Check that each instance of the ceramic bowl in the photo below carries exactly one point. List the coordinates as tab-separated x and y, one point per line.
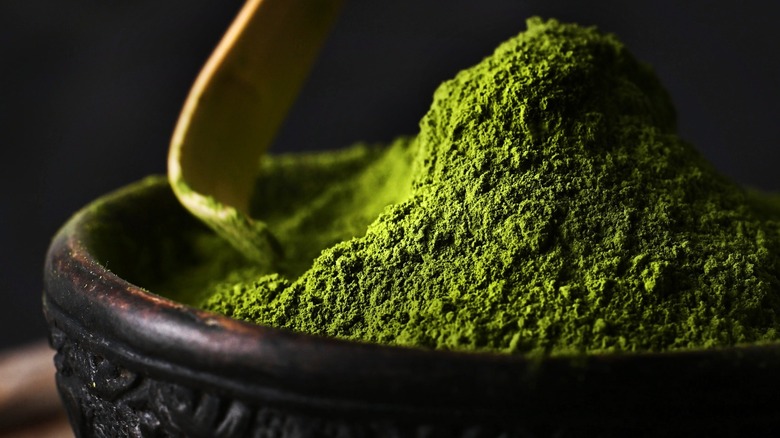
133	363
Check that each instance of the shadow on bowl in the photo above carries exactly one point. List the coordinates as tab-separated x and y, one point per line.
132	363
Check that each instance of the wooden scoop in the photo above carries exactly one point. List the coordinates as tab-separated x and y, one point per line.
235	108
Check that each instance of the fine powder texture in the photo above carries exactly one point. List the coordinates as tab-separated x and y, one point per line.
546	206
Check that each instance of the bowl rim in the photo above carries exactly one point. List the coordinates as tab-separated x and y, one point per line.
164	338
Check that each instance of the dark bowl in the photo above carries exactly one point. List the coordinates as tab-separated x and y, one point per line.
132	363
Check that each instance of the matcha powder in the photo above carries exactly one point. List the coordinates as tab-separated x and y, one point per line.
547	205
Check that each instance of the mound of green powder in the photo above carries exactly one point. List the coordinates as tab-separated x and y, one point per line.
547	205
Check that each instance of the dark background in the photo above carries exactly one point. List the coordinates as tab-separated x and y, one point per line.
90	92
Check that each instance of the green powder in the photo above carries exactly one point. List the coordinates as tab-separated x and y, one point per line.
547	205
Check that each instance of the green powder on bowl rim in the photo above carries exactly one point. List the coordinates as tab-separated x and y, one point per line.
546	206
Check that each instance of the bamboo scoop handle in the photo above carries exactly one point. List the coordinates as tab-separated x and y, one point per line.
235	108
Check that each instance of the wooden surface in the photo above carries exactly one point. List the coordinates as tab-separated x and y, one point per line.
29	403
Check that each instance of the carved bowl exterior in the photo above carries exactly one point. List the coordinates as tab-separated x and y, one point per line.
133	363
